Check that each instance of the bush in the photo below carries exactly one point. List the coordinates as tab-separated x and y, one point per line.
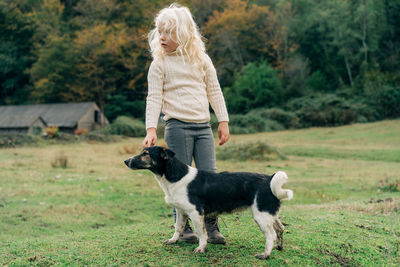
389	186
272	126
248	124
249	151
128	127
256	86
101	135
81	131
60	161
385	101
51	132
12	140
286	118
322	110
245	124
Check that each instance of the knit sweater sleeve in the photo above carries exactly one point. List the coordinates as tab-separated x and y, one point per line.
155	79
214	92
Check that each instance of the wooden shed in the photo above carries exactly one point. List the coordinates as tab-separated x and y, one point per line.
68	117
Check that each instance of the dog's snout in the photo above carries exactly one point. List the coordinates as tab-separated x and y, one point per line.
127	162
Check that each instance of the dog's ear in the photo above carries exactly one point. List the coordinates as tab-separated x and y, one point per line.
167	154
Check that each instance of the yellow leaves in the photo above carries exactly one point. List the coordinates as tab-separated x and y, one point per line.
42	83
243	29
239	16
104	39
104	51
48	17
239	34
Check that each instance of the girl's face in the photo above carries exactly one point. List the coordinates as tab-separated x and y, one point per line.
167	40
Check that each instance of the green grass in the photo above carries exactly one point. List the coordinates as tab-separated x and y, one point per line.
98	212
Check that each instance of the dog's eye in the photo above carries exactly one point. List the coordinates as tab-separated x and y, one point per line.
145	158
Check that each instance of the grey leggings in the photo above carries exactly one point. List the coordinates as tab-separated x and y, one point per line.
192	140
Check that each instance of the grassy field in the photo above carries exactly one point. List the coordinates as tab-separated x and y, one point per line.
345	210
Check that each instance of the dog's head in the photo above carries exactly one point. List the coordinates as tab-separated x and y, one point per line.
151	158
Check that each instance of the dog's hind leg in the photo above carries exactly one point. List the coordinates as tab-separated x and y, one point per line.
180	223
279	228
200	230
265	221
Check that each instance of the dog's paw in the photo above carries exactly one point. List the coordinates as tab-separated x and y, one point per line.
278	247
199	250
170	241
262	256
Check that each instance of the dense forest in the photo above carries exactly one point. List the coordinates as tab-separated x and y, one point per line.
298	62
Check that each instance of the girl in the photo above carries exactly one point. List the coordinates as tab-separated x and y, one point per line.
182	82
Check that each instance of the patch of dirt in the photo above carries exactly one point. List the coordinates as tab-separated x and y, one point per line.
343	258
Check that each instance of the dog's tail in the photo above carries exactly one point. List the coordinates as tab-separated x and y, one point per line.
278	179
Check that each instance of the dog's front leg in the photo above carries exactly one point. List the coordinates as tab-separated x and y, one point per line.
200	230
180	223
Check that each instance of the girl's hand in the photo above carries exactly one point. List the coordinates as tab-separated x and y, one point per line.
151	138
223	132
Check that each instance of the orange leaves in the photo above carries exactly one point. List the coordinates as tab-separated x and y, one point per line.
245	32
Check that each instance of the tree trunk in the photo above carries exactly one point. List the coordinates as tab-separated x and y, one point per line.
348	70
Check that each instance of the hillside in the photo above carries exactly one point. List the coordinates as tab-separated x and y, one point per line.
95	211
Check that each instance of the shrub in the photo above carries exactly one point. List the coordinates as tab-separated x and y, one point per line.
249	151
245	124
389	186
51	131
101	135
65	138
385	101
256	86
271	126
128	127
81	131
248	123
322	110
60	161
12	140
286	118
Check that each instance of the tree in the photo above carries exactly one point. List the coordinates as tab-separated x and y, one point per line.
89	13
240	34
48	20
337	36
105	57
54	73
16	33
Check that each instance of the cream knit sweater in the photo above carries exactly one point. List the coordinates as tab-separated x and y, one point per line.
181	92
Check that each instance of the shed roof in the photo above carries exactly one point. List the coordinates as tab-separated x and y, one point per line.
62	114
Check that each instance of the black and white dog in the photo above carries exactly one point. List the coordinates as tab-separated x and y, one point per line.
196	194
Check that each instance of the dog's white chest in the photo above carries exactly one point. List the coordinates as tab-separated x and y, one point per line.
176	193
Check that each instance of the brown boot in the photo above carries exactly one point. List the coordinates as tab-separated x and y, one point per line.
214	236
188	235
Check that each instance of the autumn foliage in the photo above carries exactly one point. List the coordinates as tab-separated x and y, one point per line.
89	50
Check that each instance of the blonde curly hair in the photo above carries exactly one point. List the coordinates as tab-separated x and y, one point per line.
190	42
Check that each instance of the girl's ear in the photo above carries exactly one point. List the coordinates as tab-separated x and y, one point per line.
167	153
